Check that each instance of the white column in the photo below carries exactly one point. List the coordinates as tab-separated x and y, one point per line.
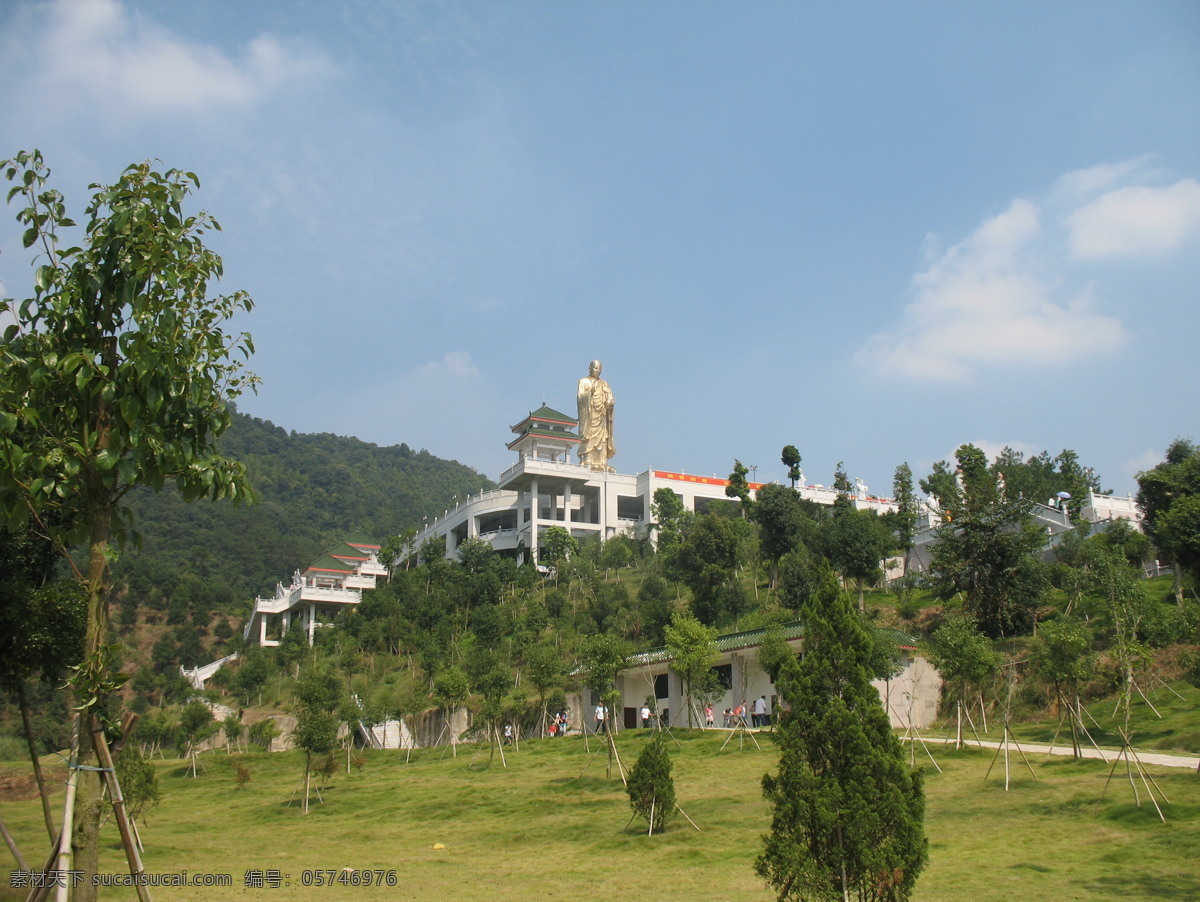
567	506
312	621
533	520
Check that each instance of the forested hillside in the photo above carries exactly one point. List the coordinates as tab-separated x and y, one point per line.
311	489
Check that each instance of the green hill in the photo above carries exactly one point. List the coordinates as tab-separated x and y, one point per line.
312	490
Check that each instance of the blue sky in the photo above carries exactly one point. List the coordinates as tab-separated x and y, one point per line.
872	230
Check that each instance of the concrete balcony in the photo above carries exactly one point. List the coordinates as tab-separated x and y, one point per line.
529	467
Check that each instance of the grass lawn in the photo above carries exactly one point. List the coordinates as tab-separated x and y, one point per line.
539	829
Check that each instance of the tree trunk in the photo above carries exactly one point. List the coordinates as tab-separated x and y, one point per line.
85	837
307	771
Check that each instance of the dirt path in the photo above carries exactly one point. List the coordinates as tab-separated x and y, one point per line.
1190	762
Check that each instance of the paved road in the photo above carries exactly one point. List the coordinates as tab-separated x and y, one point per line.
1191	762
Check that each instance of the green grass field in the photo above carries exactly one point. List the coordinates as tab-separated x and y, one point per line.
550	824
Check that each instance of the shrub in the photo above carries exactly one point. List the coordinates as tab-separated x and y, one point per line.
651	788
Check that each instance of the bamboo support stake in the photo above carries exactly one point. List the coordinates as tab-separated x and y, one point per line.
118	802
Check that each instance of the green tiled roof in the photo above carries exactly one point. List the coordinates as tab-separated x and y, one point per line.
358	538
754	638
547	433
330	564
348	550
549	413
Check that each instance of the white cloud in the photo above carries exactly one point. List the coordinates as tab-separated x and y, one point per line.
97	51
1136	221
1083	184
1147	460
988	301
453	365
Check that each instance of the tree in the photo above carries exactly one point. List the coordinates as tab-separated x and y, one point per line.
738	487
41	629
985	550
232	725
800	573
318	695
705	562
450	690
603	657
855	542
195	725
558	545
670	519
1041	478
1123	598
492	684
774	652
964	658
781	521
791	459
693	650
1059	654
475	555
651	789
545	672
116	373
1169	496
841	482
847	817
904	519
138	780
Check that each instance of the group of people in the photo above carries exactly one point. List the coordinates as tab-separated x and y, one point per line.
736	716
560	724
732	717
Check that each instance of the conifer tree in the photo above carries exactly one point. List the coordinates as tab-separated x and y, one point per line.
847	816
651	788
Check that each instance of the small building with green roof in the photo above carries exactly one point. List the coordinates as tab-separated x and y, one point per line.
910	697
316	594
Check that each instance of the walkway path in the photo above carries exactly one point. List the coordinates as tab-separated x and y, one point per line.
1191	762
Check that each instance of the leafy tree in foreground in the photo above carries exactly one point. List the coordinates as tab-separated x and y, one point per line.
651	788
115	373
847	816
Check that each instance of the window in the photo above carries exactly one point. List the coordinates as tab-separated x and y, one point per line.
724	674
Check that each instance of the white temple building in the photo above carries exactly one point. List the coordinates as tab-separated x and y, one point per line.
316	594
544	488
